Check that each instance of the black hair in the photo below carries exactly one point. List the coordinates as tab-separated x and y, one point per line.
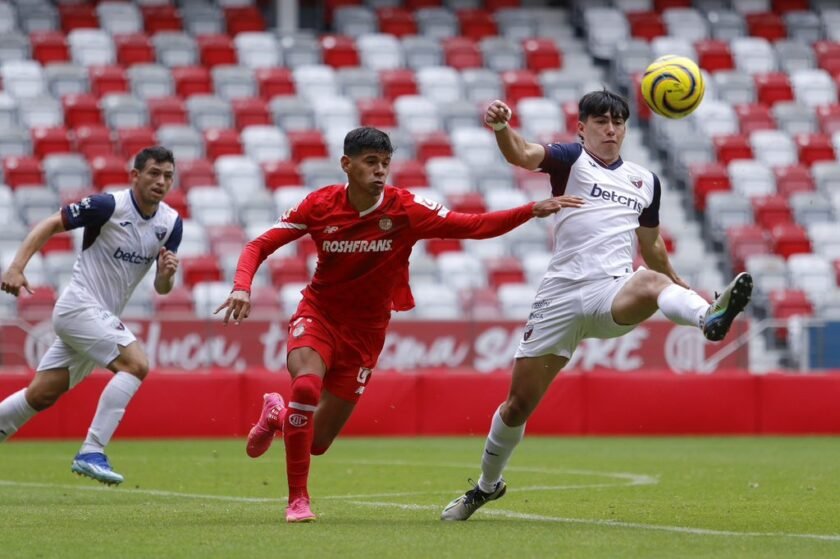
366	138
158	154
596	103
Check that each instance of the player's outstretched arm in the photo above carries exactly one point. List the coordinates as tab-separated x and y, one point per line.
516	150
13	279
551	206
655	254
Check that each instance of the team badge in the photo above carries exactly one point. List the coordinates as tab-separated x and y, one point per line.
298	331
528	331
298	420
385	223
160	232
636	181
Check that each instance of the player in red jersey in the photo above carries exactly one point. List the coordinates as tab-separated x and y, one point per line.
364	231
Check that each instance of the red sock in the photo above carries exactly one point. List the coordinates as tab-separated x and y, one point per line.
299	430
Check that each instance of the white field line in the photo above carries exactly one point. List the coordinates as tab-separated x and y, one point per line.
609	523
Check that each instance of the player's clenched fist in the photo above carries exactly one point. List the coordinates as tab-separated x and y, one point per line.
167	263
497	113
554	205
13	280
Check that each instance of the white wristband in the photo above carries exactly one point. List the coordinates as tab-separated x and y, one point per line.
498	125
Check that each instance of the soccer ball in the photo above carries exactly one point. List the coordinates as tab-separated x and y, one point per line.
672	86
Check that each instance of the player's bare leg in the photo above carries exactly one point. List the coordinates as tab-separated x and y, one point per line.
330	417
531	378
307	370
130	367
44	390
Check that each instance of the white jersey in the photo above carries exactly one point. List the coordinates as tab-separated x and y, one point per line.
119	246
598	240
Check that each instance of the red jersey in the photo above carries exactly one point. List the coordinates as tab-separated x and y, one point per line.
362	271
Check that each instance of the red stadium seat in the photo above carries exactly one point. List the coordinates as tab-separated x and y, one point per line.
176	303
829	118
274	81
814	147
462	53
541	54
132	140
480	303
476	24
470	203
167	110
243	18
22	171
646	25
331	5
50	140
792	179
417	4
661	5
192	80
828	55
786	303
734	146
92	141
134	48
495	5
396	83
108	79
783	6
81	109
77	16
38	306
178	200
214	50
292	269
520	84
773	87
408	174
265	303
742	242
222	142
195	172
161	18
397	21
108	170
49	46
770	211
63	242
571	114
281	173
714	55
755	117
378	113
339	51
195	269
767	25
790	238
434	144
435	247
306	143
226	239
250	111
505	270
707	178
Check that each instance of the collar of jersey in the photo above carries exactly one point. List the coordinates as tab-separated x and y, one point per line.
136	207
612	166
373	207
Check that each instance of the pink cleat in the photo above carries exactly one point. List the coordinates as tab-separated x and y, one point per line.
271	421
299	511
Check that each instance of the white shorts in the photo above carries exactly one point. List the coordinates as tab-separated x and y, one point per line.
86	337
565	312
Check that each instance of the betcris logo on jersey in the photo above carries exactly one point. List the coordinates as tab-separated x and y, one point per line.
132	257
616	197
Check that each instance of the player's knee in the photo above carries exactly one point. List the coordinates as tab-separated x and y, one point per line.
516	411
137	367
654	283
42	397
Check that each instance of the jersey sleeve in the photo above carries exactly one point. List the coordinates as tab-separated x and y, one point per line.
292	225
650	215
174	240
93	211
560	157
431	220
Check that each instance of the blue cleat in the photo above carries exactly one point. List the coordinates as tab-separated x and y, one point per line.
95	466
726	306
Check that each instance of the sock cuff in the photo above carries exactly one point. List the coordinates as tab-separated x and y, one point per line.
501	431
669	292
126	382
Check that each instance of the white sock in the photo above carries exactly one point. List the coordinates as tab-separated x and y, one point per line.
497	450
14	412
110	411
682	306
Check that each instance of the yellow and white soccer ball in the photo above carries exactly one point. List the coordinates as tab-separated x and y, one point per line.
673	86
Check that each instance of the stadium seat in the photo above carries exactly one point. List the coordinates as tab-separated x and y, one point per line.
174	48
14	46
207	296
773	87
754	117
714	55
92	141
119	17
279	174
461	270
449	175
795	118
49	47
437	22
50	140
208	111
233	82
828	55
416	114
242	19
150	80
91	47
469	202
22	171
67	172
288	270
516	299
250	111
707	178
38	305
108	170
505	270
215	50
767	25
396	83
829	118
827	176
192	80
397	21
813	148
787	303
185	142
814	87
211	206
790	239
751	178
440	84
161	18
257	50
726	209
14	140
195	172
300	50
134	48
178	303
501	54
108	79
520	84
771	210
265	143
681	20
166	110
481	85
195	269
379	51
774	148
744	242
408	174
124	111
459	114
66	79
420	51
811	207
219	142
358	83
274	81
462	53
769	272
378	113
305	144
292	113
646	25
793	178
433	144
77	16
824	239
731	147
339	51
716	118
794	55
541	54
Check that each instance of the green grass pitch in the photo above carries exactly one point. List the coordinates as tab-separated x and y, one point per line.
568	497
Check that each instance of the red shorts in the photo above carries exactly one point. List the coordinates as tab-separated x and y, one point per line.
349	353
